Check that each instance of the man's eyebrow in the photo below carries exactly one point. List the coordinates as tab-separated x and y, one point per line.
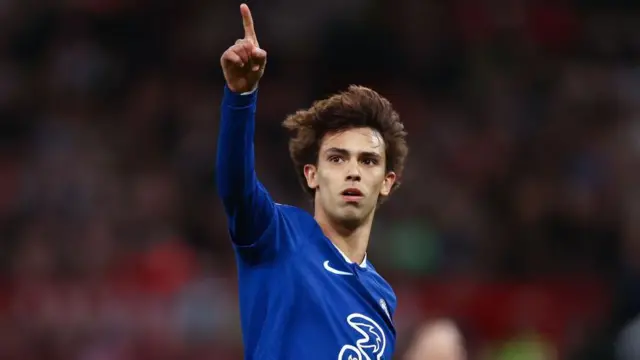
345	152
370	154
335	150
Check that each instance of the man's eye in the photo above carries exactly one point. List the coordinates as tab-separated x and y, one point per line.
370	161
335	159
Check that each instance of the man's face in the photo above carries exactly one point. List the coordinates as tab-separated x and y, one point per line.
350	174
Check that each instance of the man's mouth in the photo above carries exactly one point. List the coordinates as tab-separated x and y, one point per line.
352	195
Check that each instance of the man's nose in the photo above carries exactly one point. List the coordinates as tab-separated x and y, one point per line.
353	172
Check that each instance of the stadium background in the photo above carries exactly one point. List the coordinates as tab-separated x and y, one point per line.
518	216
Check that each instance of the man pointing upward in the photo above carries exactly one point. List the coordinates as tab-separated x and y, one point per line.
307	290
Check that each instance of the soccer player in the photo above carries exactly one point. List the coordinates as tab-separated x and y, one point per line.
307	290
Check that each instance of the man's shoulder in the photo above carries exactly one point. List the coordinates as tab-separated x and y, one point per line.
296	219
287	207
294	213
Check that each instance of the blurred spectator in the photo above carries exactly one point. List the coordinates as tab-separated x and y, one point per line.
437	340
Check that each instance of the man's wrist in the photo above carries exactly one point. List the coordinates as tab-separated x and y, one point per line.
240	99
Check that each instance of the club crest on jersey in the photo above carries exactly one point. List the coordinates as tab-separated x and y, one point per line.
370	345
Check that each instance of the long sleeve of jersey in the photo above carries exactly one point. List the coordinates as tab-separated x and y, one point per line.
248	206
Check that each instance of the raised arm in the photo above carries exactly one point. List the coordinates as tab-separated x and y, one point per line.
249	208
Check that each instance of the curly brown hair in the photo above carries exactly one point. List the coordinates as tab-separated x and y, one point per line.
357	107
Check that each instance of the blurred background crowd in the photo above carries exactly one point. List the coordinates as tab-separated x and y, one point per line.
518	217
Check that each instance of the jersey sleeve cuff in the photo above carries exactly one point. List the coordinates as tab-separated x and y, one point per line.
239	100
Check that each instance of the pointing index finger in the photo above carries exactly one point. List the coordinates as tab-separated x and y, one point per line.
247	22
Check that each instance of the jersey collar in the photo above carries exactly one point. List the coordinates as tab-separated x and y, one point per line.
363	264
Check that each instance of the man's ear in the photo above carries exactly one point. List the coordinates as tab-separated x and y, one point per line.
311	174
387	184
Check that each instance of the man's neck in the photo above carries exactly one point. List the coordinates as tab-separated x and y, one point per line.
352	242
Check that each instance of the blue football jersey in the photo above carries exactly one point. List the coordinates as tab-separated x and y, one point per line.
300	296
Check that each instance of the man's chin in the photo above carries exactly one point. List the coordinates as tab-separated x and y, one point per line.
351	216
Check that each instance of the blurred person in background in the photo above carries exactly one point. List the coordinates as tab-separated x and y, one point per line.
437	340
628	341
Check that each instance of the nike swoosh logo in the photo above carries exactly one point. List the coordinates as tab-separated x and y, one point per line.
332	270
